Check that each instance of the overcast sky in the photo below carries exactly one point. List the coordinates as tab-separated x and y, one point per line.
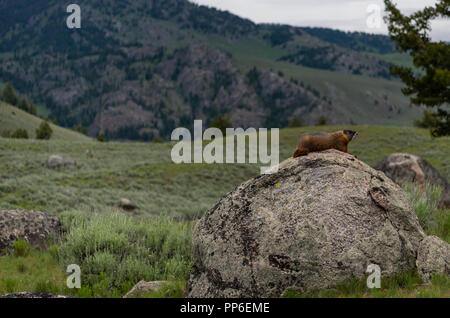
348	15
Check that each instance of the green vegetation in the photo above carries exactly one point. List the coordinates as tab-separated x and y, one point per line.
411	34
20	133
44	131
10	96
429	120
153	246
222	123
126	250
406	285
101	138
145	174
322	121
295	122
13	118
434	220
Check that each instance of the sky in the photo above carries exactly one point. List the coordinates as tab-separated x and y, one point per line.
347	15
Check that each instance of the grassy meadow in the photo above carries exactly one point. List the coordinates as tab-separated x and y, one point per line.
117	249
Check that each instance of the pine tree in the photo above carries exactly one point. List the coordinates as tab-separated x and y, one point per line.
432	88
9	95
44	131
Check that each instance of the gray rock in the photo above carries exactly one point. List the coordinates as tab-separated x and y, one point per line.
143	287
32	226
127	204
56	161
34	295
320	220
433	257
405	167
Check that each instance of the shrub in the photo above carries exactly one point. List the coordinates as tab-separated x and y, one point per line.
44	131
126	249
101	137
295	122
21	248
20	134
322	121
158	140
222	122
6	133
428	120
9	94
425	201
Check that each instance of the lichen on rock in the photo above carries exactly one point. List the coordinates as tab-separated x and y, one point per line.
320	220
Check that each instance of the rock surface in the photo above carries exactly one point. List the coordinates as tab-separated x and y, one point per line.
433	257
127	204
33	226
34	295
143	287
404	167
56	161
321	219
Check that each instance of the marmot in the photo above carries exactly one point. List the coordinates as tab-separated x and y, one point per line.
322	141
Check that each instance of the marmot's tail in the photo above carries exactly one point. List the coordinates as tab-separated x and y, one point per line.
300	152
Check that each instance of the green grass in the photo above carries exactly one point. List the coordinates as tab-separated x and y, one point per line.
114	252
35	271
13	118
144	173
406	285
401	59
99	234
425	201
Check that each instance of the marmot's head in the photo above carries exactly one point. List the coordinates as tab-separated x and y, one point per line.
351	134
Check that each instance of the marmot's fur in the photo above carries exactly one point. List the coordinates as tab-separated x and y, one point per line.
322	141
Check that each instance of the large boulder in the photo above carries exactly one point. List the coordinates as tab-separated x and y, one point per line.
404	167
57	161
318	221
32	226
433	257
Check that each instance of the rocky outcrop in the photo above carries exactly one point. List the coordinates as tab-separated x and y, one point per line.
433	257
144	287
320	220
32	226
56	161
404	167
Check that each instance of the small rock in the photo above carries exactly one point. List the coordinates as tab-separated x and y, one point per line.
34	295
56	161
143	287
66	192
127	205
33	226
433	256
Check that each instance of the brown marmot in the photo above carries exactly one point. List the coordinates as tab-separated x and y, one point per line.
322	141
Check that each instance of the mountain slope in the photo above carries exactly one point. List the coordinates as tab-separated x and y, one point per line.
12	118
138	69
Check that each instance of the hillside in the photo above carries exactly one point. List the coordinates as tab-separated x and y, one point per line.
145	174
12	118
138	69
